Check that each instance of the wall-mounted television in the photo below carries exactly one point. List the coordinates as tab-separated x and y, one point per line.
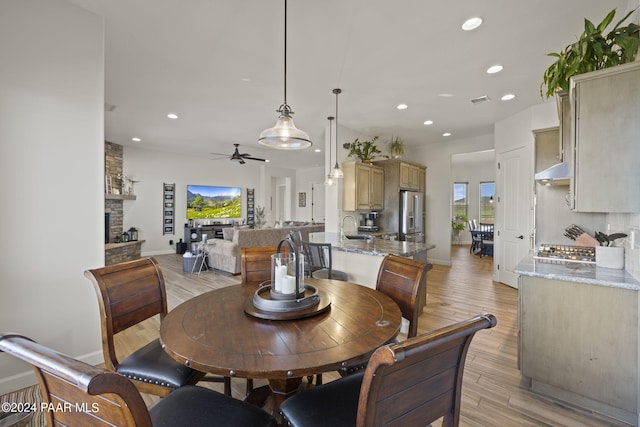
206	201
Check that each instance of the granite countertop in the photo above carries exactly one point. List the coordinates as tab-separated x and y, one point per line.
577	272
376	246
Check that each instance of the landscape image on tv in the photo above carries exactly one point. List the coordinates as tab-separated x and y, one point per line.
205	202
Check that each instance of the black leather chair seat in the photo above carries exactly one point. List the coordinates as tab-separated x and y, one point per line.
331	404
194	406
153	365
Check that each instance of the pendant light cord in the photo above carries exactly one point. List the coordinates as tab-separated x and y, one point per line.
285	52
337	91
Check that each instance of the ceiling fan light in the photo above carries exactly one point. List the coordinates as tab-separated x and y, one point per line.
285	135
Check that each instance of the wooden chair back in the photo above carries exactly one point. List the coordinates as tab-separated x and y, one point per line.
128	293
255	263
87	395
419	380
403	280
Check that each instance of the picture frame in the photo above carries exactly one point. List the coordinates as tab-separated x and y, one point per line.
302	200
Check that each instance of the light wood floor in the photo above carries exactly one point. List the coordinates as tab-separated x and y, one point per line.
494	393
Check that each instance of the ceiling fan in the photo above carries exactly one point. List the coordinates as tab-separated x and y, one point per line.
239	157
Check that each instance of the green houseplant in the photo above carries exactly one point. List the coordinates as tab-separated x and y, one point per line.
594	50
396	147
364	150
459	223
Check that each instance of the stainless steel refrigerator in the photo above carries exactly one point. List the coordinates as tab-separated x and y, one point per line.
411	216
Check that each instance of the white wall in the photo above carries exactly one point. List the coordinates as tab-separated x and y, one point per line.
153	168
51	167
437	158
304	180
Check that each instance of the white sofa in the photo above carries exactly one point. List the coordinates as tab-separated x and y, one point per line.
224	254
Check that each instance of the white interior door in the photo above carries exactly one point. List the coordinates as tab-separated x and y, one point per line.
515	210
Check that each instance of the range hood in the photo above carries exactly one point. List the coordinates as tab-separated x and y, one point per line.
557	174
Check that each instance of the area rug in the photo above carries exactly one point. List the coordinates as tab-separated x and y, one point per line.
29	396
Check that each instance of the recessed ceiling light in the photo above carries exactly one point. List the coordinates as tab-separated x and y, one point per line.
445	95
402	106
428	122
172	116
317	150
136	139
446	134
472	23
494	69
246	79
508	97
267	160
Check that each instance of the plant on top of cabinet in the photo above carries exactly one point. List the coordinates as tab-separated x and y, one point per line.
594	50
366	150
396	148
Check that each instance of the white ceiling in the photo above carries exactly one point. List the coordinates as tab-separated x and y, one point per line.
218	64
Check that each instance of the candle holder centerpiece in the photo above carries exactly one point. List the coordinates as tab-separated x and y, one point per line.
287	296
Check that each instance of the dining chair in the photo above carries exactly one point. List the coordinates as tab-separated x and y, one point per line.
411	383
128	294
403	280
93	396
485	235
255	264
321	261
475	237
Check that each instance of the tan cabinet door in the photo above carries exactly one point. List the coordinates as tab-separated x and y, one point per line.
376	200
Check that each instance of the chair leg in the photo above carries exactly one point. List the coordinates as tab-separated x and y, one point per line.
249	386
227	386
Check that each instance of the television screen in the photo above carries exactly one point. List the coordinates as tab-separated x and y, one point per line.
205	201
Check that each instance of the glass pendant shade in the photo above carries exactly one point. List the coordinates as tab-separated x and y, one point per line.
285	135
336	173
329	181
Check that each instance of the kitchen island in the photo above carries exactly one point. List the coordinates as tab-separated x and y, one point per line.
361	258
578	335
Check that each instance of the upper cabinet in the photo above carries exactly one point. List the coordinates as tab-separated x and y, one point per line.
409	176
605	124
363	187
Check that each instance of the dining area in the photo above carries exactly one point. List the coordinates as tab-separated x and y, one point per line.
481	238
222	334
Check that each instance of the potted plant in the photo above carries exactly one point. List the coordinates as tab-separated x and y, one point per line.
260	219
594	50
366	150
396	148
458	224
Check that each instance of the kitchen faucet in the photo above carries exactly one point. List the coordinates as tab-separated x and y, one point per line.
355	223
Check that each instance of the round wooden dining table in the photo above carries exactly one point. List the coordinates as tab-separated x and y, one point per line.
213	333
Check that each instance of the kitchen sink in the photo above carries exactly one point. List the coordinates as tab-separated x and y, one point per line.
359	237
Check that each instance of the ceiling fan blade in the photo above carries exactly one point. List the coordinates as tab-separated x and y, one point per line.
221	158
220	154
254	158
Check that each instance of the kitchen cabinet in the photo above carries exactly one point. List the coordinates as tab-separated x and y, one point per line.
605	107
363	187
578	343
409	176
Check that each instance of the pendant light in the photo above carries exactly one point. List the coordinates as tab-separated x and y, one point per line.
330	180
284	135
336	173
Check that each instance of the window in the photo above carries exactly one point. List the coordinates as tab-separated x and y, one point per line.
460	199
487	207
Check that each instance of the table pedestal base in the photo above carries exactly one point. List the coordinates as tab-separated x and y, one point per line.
271	396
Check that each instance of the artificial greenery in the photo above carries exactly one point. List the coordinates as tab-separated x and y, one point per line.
363	150
459	223
260	219
594	50
396	147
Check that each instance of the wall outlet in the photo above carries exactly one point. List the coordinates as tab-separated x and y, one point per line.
171	242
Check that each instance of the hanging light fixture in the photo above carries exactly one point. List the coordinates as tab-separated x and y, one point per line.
336	173
330	180
285	135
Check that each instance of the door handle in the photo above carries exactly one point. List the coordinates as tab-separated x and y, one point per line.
521	237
